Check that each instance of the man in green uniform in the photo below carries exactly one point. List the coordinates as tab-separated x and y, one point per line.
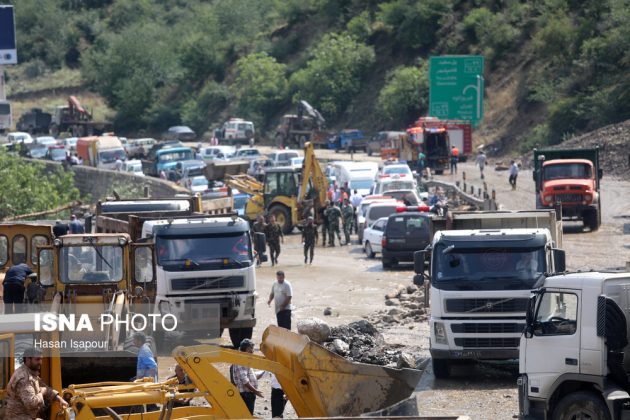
347	211
273	233
309	239
333	214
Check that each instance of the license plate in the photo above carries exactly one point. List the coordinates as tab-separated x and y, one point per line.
466	354
397	241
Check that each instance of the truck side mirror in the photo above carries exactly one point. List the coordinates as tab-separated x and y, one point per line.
534	175
559	260
419	257
529	317
600	173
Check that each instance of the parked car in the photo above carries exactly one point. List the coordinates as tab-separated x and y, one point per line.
70	143
372	237
296	162
133	166
19	137
282	157
365	205
246	153
46	140
56	153
196	184
392	183
37	151
217	152
405	233
180	132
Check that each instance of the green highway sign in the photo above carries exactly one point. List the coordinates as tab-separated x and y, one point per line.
456	87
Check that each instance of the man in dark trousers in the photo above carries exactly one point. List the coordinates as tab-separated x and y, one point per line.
324	219
13	287
309	239
273	233
282	294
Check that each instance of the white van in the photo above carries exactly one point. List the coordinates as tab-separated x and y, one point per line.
133	166
358	175
238	130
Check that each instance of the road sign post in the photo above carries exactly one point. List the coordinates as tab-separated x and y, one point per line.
456	88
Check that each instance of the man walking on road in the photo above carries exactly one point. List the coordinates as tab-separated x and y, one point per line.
348	220
333	214
282	294
273	232
28	397
324	219
513	174
259	226
481	161
356	199
309	239
454	159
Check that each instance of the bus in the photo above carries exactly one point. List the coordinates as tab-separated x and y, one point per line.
5	115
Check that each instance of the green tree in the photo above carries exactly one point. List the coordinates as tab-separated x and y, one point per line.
30	187
334	73
490	32
405	95
261	85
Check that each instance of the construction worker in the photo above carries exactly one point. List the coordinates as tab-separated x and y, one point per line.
333	214
273	233
309	239
454	159
347	212
28	397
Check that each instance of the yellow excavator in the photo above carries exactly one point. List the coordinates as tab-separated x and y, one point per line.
317	382
290	195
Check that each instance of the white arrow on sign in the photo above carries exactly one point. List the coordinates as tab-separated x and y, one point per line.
479	93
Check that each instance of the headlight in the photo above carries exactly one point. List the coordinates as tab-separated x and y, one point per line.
165	307
440	333
548	198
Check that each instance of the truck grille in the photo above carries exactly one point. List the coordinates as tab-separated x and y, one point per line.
480	328
496	342
568	198
208	283
486	305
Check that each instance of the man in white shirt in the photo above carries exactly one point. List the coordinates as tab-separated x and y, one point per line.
356	199
513	174
281	294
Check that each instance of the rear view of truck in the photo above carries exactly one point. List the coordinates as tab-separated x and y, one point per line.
569	179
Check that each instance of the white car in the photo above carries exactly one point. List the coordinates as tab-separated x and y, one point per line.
133	166
197	184
296	162
372	237
70	143
365	204
19	137
217	152
46	140
402	170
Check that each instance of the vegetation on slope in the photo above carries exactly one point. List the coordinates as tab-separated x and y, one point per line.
160	63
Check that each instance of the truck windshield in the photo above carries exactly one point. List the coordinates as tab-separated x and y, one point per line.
110	156
91	264
361	184
567	170
487	268
204	252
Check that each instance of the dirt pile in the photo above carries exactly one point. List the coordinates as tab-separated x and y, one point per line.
613	141
406	305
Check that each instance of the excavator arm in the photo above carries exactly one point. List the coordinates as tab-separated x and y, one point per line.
314	183
244	183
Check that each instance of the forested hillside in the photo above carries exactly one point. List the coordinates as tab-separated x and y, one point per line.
553	67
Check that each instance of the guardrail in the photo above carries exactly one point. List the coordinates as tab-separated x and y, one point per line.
478	196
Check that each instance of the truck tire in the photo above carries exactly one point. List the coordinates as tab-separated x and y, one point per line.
581	405
591	220
239	334
441	368
283	217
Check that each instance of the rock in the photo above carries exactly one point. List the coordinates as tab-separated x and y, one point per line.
404	298
388	319
405	360
314	328
395	311
340	346
328	311
401	289
392	302
412	305
364	327
412	288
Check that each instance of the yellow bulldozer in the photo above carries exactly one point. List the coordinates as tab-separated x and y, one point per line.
290	195
317	382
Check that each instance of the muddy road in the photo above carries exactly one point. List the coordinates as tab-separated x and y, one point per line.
343	279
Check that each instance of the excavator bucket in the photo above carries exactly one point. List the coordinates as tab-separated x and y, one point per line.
338	387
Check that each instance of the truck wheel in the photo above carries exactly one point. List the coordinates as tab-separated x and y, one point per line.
581	405
283	218
368	250
239	334
441	368
591	220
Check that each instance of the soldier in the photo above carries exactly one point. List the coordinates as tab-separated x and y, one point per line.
273	232
347	212
333	214
259	226
309	239
324	219
28	397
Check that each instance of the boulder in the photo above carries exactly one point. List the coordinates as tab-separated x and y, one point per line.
328	311
405	360
314	328
340	346
392	302
412	288
395	311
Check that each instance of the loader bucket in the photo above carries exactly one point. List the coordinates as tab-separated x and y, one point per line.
339	387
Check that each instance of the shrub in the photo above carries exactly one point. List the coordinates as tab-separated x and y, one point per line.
405	95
